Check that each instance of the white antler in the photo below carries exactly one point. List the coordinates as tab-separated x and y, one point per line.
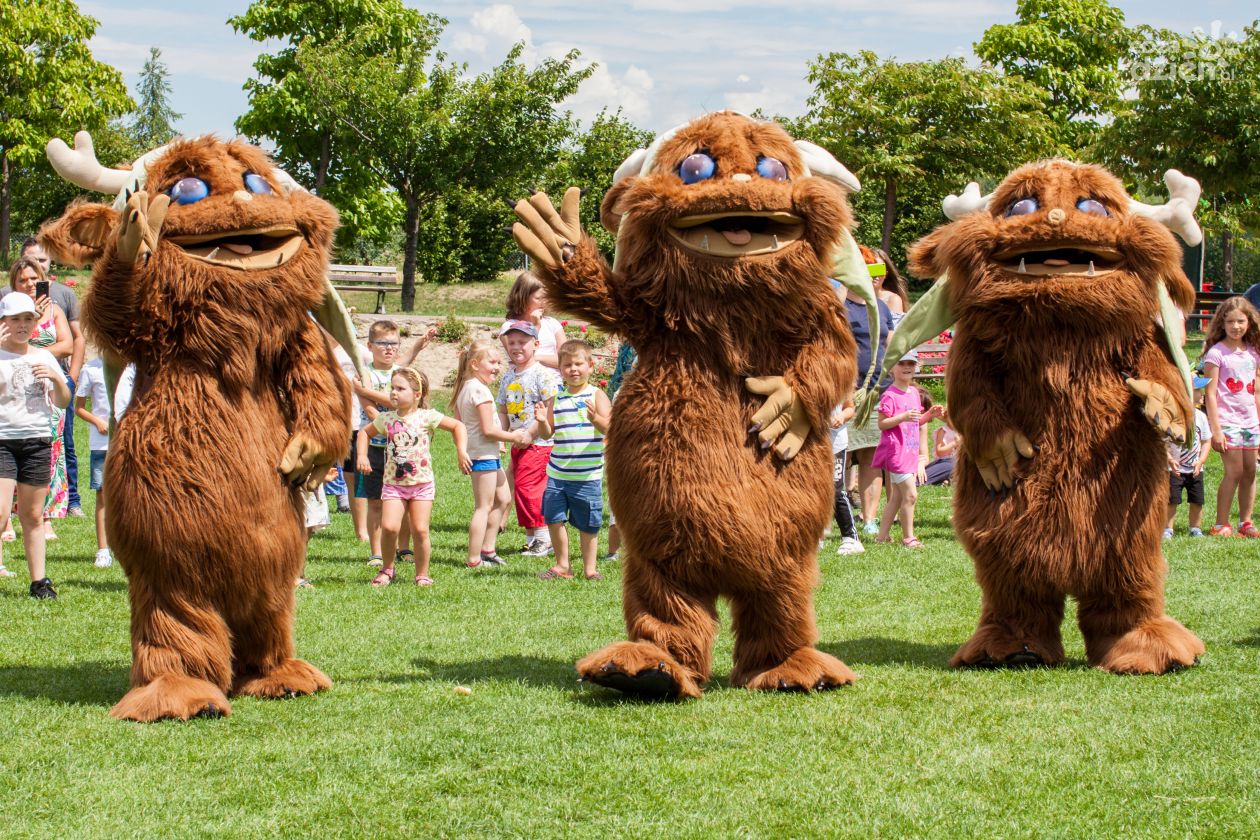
1177	214
957	206
80	167
823	163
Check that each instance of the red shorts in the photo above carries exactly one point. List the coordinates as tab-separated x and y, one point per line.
529	480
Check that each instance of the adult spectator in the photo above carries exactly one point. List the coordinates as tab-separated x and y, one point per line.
1253	295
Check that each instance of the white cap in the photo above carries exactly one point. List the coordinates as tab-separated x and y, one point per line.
16	303
912	356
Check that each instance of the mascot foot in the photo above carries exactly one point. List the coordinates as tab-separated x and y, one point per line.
808	669
993	647
172	696
1157	646
289	679
640	669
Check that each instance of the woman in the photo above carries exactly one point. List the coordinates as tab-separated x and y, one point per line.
52	332
889	285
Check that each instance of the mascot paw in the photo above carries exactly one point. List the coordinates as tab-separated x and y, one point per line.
993	646
782	421
640	669
141	226
1159	407
808	669
547	236
997	462
1157	646
172	696
304	464
290	679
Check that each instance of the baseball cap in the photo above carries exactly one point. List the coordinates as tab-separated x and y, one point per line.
522	326
912	356
16	303
1201	382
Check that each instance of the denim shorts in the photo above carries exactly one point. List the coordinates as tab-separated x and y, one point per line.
581	503
98	468
485	465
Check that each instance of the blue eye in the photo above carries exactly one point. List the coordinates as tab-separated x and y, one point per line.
256	183
697	167
1023	207
772	169
189	191
1092	206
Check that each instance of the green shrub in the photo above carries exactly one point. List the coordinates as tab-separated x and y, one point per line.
453	329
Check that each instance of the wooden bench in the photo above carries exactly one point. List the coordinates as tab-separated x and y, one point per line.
1205	304
932	366
381	279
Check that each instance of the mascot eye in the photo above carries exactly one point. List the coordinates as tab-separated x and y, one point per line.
1023	207
697	167
189	190
256	183
772	169
1092	206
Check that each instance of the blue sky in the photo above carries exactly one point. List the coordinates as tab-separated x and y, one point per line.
661	65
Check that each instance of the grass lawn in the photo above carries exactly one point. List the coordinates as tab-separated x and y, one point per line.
912	749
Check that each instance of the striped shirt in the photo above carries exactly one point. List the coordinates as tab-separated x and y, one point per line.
578	454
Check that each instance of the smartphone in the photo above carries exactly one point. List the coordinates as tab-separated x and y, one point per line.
41	289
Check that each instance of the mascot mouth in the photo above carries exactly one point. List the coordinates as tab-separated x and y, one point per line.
242	249
744	234
1069	260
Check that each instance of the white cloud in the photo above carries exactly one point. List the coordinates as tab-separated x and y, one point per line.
498	27
231	64
742	78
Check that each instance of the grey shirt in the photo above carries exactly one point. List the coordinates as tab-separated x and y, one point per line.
63	296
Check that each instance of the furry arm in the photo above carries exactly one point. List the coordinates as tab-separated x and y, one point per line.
1161	390
988	434
317	407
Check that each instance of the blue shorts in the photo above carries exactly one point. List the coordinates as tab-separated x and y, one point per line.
485	464
579	502
98	468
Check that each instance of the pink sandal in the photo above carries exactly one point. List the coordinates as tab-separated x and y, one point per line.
912	542
384	578
424	580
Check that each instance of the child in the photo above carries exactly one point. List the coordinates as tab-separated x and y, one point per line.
316	516
578	417
1185	468
383	343
91	385
1230	366
945	443
33	390
522	388
901	418
527	301
407	484
849	542
474	407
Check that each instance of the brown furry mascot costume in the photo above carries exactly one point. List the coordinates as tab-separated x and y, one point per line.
725	241
1063	386
203	278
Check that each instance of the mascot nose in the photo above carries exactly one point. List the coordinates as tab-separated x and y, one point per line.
741	176
1056	216
242	195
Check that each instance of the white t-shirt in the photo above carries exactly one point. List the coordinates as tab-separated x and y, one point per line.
122	393
473	394
348	368
91	384
378	380
547	330
26	406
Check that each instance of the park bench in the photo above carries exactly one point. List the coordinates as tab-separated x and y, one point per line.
933	357
1205	304
381	279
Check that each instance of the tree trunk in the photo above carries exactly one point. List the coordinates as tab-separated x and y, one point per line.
325	157
890	213
1227	261
5	194
411	231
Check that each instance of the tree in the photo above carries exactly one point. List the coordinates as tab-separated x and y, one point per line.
1070	48
1196	108
440	138
920	130
153	123
49	85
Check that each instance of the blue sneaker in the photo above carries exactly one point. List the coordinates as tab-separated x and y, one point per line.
1196	532
871	529
1168	533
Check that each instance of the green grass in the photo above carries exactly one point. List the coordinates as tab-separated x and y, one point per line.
912	749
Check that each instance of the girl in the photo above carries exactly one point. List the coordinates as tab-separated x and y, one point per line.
474	407
407	485
1230	365
945	442
901	419
889	285
528	302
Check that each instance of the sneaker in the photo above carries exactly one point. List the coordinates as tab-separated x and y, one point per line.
611	558
43	590
850	545
492	559
538	548
104	558
1196	532
1168	533
76	511
871	528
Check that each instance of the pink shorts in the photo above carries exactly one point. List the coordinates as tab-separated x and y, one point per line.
410	492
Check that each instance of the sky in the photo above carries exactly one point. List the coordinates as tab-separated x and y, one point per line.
661	61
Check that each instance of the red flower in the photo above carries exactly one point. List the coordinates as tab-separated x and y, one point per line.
603	383
564	323
582	328
71	282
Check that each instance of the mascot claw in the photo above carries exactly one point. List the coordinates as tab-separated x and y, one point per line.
142	226
1159	407
303	463
997	463
782	418
548	237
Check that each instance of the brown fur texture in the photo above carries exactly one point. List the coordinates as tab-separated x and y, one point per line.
230	370
703	510
1047	356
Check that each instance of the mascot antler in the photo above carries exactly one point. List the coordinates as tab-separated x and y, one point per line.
80	167
1177	214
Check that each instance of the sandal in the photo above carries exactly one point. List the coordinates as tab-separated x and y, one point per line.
9	535
912	542
305	583
1222	530
555	574
596	576
5	573
472	564
403	552
376	561
384	578
1246	529
424	580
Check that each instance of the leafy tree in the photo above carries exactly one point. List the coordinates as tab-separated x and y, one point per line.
1196	108
1070	48
915	132
49	85
153	123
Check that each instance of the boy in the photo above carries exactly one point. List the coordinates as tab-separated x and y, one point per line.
1185	468
525	386
383	343
92	386
578	417
32	388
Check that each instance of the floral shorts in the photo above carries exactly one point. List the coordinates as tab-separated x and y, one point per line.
1239	437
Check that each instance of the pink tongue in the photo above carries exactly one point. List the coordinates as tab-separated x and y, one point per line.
1057	262
239	247
737	237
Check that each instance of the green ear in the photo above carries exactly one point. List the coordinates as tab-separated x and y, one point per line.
333	316
1169	314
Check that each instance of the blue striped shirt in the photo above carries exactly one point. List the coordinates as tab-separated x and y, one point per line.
578	454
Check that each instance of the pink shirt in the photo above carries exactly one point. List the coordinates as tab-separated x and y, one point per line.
898	449
1236	385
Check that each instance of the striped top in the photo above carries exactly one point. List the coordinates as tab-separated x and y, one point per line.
578	454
